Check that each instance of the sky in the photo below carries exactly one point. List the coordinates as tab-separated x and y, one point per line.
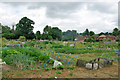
95	16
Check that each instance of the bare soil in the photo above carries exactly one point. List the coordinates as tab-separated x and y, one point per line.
78	72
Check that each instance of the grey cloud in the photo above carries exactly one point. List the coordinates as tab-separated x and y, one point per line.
58	10
102	7
64	9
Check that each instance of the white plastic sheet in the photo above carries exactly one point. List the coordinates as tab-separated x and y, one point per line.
89	66
56	63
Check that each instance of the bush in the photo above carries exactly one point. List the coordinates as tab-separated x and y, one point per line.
33	52
22	38
71	67
58	72
20	60
47	69
46	42
51	62
57	46
60	67
54	68
117	40
71	74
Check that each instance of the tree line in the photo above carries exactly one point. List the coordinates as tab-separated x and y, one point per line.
25	28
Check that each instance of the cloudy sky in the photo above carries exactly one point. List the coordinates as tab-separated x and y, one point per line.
96	16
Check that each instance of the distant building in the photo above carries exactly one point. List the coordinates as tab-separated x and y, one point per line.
80	38
118	37
106	37
110	37
102	37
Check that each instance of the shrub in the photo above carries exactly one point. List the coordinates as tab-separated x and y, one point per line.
51	62
71	67
57	46
58	72
71	74
20	60
22	38
60	67
47	69
46	42
54	68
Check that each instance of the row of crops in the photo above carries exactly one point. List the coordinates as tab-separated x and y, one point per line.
31	56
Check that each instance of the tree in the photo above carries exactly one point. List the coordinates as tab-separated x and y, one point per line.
38	35
7	32
22	38
25	28
69	35
47	32
86	32
106	33
6	29
115	32
101	33
56	33
91	33
51	33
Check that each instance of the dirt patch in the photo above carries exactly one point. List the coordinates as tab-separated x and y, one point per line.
6	67
78	72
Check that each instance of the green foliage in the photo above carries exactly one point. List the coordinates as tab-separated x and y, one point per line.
47	69
46	42
20	60
71	74
8	35
55	68
56	33
6	29
79	50
90	39
60	67
117	40
38	35
116	32
51	62
57	46
33	52
69	35
25	28
51	33
58	72
6	52
86	32
22	38
71	67
91	33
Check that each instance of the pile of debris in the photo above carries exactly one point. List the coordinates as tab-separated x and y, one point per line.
95	63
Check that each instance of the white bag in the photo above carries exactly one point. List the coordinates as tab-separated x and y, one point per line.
56	63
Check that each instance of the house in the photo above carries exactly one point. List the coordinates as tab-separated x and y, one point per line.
118	37
110	37
95	36
80	38
102	37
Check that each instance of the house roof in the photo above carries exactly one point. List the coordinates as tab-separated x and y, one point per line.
102	36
